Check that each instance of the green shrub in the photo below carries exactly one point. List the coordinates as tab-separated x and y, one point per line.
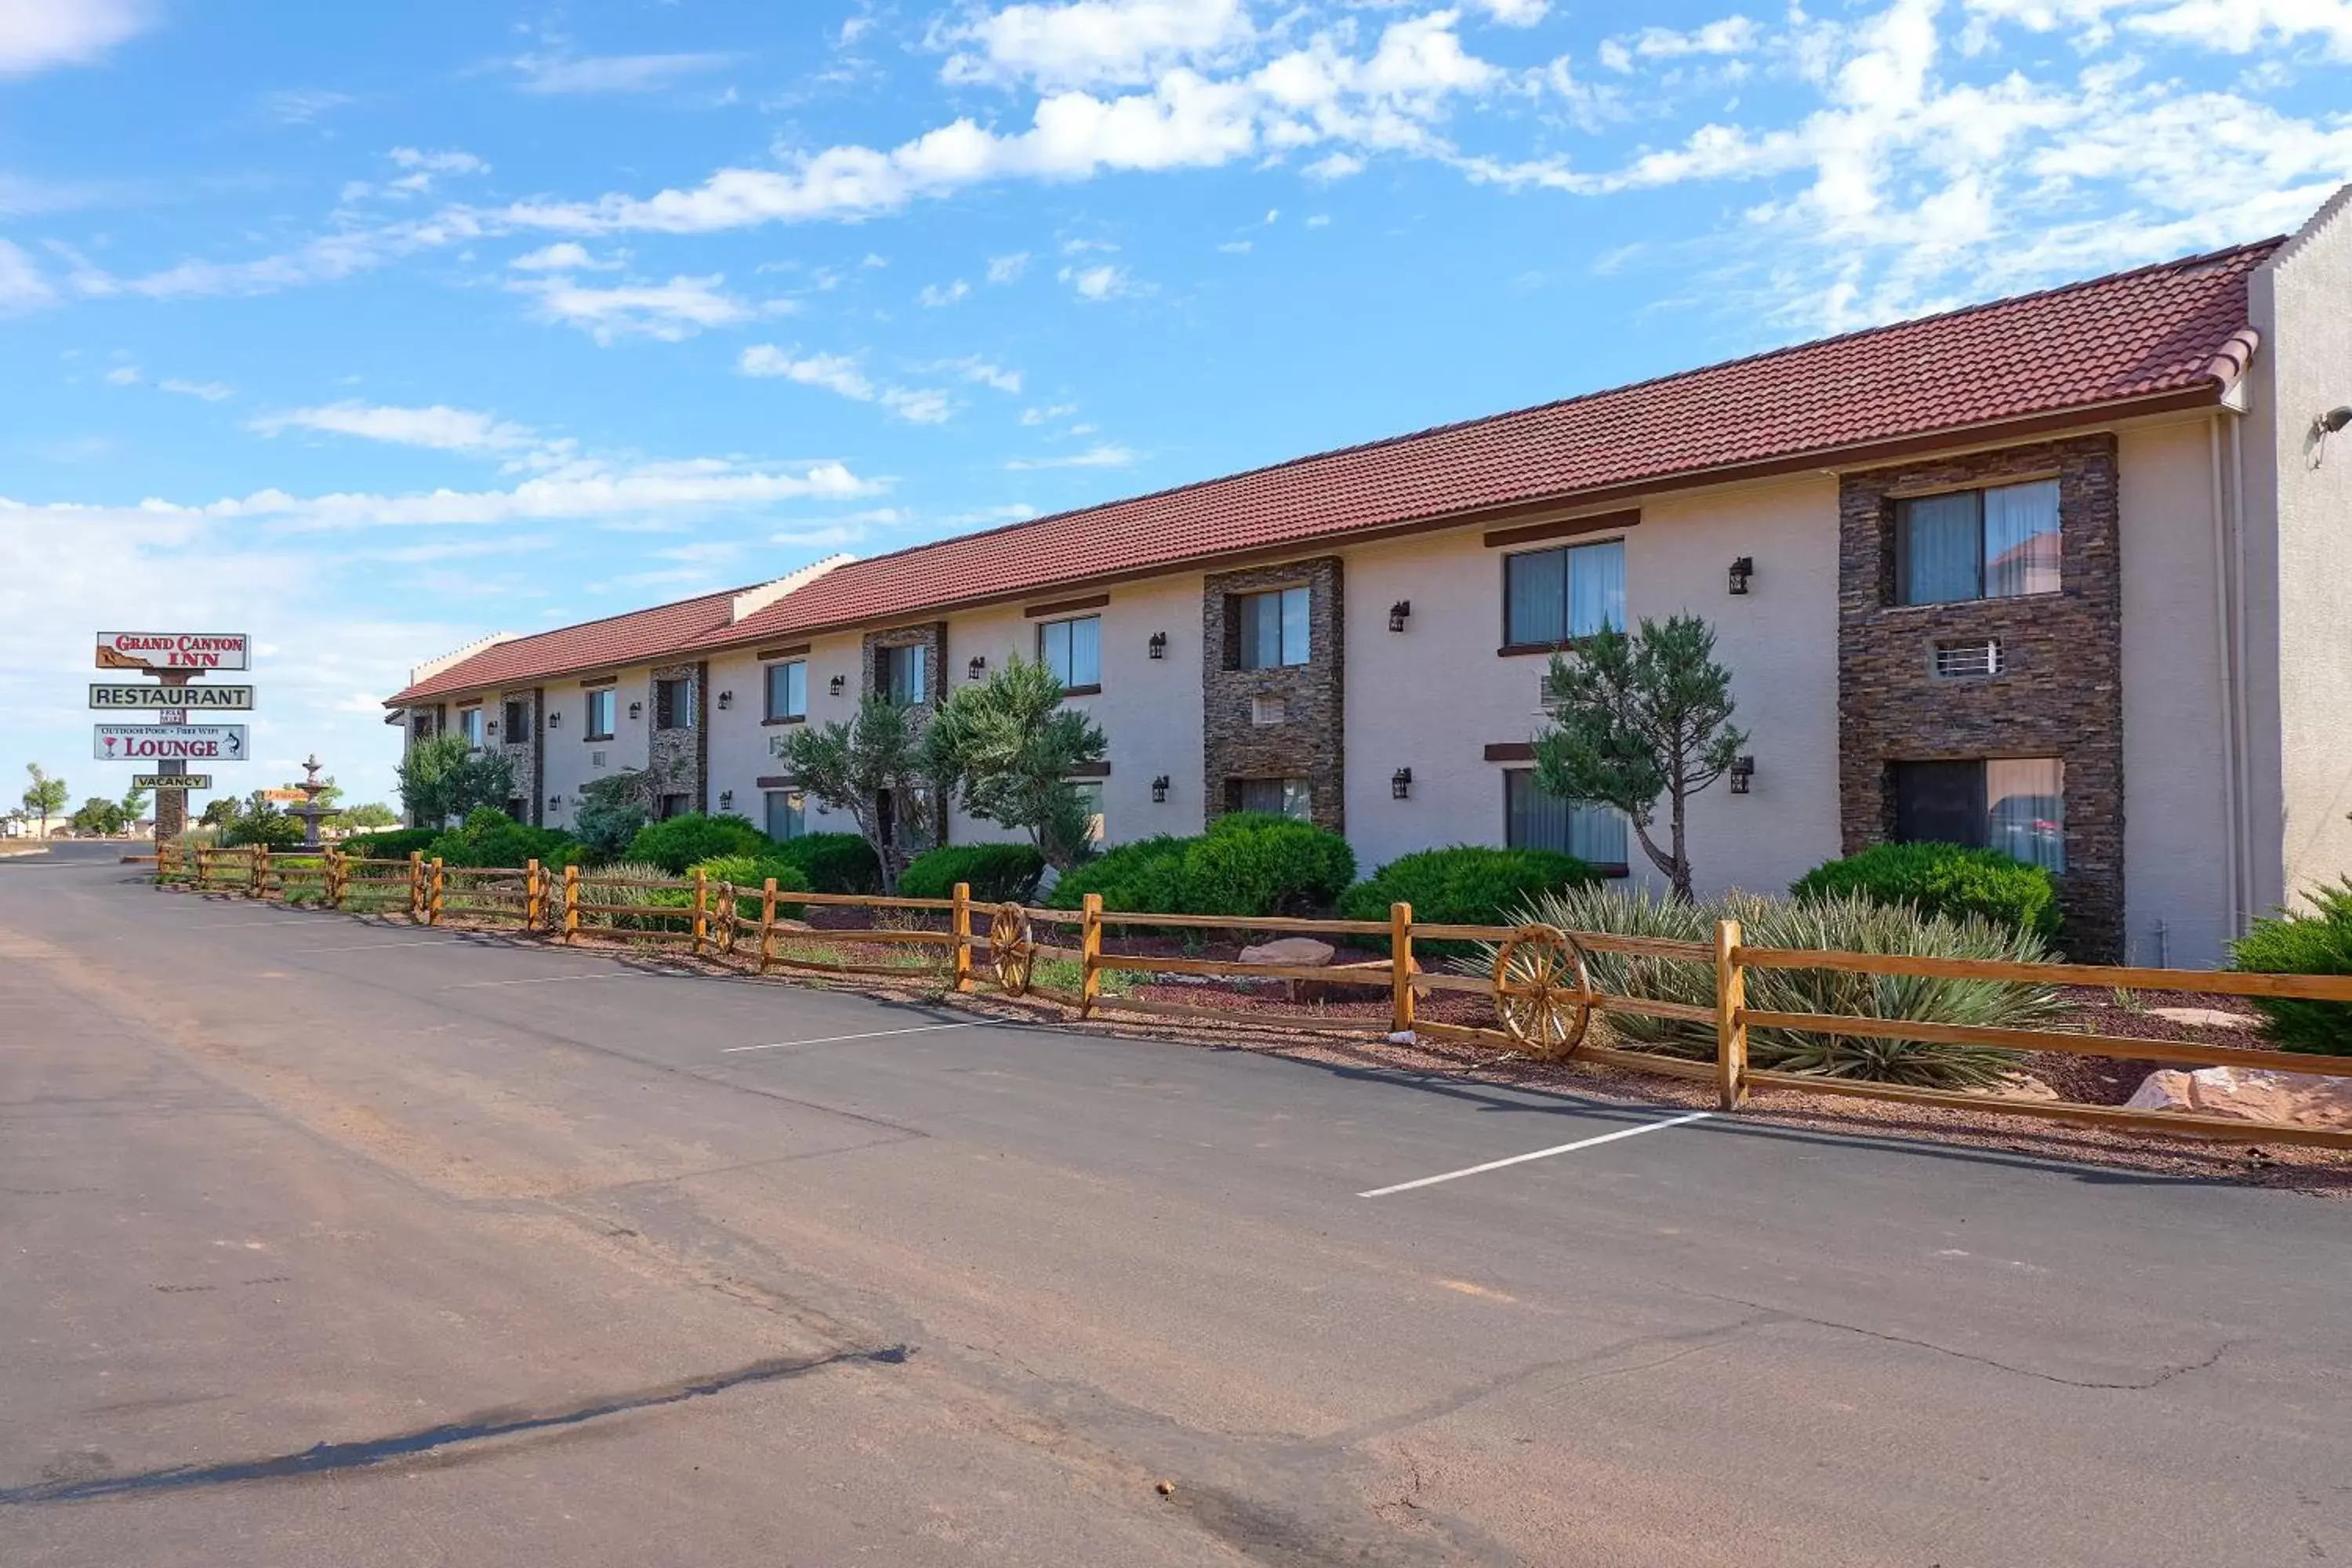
1465	885
262	823
397	845
1943	879
999	873
489	837
680	841
833	862
594	889
747	871
2320	942
1854	923
1250	863
1144	877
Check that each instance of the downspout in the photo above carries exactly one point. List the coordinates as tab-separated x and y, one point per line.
2243	780
2224	620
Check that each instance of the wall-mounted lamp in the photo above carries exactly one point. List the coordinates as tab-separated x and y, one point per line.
726	800
1159	790
492	726
725	701
1401	785
554	800
838	684
977	668
637	710
2335	418
1159	645
1398	613
1743	770
1741	570
554	720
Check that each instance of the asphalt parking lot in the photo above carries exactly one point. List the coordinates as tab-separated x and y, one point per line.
338	1241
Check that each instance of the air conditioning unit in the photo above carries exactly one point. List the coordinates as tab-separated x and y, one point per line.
778	744
1960	660
596	759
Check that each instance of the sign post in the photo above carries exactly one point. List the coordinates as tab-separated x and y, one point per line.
173	658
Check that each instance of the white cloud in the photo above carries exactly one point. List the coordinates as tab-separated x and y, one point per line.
1334	166
1730	36
933	296
451	162
982	373
615	73
669	311
842	375
1512	13
441	427
210	391
1012	512
1008	268
1103	457
22	287
1098	42
1104	282
1042	416
1237	248
563	256
124	375
36	34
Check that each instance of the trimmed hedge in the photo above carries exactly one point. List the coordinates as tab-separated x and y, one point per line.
752	872
1248	864
397	845
2320	942
1468	884
833	862
999	873
1945	879
490	838
681	841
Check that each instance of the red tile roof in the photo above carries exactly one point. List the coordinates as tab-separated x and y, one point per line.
632	638
2131	337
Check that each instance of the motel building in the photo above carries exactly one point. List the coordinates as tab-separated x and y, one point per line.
2060	574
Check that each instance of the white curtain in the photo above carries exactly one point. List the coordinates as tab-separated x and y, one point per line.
1596	587
2026	809
1943	544
2020	540
1535	820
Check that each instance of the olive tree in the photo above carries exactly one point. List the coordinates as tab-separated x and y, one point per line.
1009	747
871	767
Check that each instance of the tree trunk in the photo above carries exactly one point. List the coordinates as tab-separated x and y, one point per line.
1680	872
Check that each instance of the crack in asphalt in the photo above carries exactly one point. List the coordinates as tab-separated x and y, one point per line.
322	1458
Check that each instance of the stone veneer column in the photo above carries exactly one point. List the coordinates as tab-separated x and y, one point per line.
2060	689
931	637
1307	743
524	751
680	759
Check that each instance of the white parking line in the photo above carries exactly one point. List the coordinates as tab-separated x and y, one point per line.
1540	1153
836	1039
552	979
367	946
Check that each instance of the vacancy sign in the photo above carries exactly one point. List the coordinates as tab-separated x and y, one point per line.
225	699
171	781
175	650
170	742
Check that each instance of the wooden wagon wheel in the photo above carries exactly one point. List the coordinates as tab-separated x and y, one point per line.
1542	994
1010	949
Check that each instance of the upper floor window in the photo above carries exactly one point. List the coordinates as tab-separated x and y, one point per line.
674	703
1993	544
1273	628
1533	820
1552	597
901	673
1072	651
518	723
788	690
469	724
599	714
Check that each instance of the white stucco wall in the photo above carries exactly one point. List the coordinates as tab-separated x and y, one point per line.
2176	891
569	750
2299	528
1434	696
740	737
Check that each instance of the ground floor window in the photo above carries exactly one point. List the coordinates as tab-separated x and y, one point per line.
1535	820
1090	794
787	814
2015	805
1276	797
671	805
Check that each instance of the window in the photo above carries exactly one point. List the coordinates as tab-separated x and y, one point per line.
518	725
1553	596
2014	805
601	704
469	724
1072	651
1994	544
671	805
900	671
1090	793
1273	628
787	814
1535	820
674	704
1277	797
788	690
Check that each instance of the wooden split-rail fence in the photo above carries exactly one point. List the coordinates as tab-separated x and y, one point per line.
1537	981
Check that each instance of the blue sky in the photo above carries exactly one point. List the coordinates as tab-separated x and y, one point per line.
370	330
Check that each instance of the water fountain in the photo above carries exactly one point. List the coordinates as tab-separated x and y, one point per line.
310	811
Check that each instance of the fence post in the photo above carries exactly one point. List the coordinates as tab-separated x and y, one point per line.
1089	952
959	927
204	865
416	884
1731	1028
767	924
1401	968
701	909
433	908
572	903
532	914
727	918
256	873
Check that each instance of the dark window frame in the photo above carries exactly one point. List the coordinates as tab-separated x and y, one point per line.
1237	608
1613	869
1068	625
1516	560
672	696
913	658
609	698
1900	531
768	691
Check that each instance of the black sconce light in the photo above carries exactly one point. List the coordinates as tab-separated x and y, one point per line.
1743	769
1159	790
837	684
554	720
1397	613
637	710
1401	785
1741	570
492	726
1159	645
977	668
554	800
726	800
725	701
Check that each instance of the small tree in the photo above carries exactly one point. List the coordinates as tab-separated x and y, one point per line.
1636	718
367	814
443	778
99	818
134	804
259	821
612	810
44	796
853	767
1008	746
219	811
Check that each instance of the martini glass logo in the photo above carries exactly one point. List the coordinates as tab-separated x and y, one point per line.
110	746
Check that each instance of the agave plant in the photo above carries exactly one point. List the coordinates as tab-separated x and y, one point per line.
1851	924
